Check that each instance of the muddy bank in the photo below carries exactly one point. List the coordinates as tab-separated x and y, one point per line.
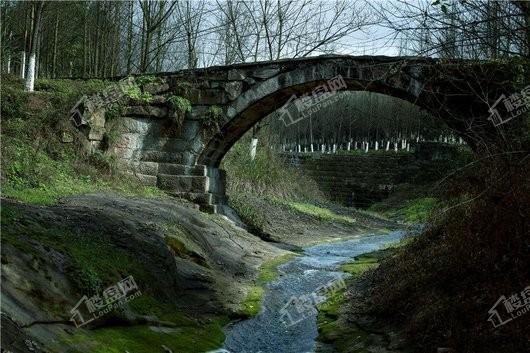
294	230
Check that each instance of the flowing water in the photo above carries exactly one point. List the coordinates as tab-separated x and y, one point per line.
287	322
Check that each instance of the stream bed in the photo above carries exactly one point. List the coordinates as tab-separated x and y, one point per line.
287	322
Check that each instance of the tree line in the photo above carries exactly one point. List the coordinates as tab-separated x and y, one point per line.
109	38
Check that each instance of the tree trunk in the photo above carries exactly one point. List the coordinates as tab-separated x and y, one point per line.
30	77
54	58
23	65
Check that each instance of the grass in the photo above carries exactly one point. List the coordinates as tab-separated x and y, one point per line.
413	211
266	175
37	166
361	264
321	213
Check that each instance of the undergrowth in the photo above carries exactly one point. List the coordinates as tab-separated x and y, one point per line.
440	287
37	166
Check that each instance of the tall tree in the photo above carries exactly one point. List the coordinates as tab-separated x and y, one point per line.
38	8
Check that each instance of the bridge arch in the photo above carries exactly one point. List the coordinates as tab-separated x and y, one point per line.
256	104
185	160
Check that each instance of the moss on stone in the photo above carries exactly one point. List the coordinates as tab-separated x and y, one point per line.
252	303
344	338
187	337
269	269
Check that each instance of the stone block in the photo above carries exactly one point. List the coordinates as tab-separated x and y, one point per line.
146	168
96	133
236	75
146	111
208	97
147	180
156	88
181	169
128	140
178	183
163	157
142	126
265	73
233	89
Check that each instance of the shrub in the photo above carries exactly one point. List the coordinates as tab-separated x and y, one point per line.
180	104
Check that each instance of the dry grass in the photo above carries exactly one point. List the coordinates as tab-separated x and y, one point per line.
440	287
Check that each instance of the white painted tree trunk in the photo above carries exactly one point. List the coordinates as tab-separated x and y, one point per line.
312	150
408	147
9	64
334	148
395	147
23	65
387	146
348	147
253	148
323	148
376	145
30	78
367	147
355	146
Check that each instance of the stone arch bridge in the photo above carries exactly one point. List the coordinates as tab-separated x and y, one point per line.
179	150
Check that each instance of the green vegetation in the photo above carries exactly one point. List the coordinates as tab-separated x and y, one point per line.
266	175
188	336
135	93
213	117
318	212
180	104
252	303
413	211
350	337
268	272
143	80
96	262
37	166
269	269
361	264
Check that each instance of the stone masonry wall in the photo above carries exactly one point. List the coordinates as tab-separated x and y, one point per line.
362	179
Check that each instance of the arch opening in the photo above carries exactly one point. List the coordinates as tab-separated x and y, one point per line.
259	109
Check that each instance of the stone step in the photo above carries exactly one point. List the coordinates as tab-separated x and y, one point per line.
181	169
213	209
200	198
180	183
155	168
167	157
